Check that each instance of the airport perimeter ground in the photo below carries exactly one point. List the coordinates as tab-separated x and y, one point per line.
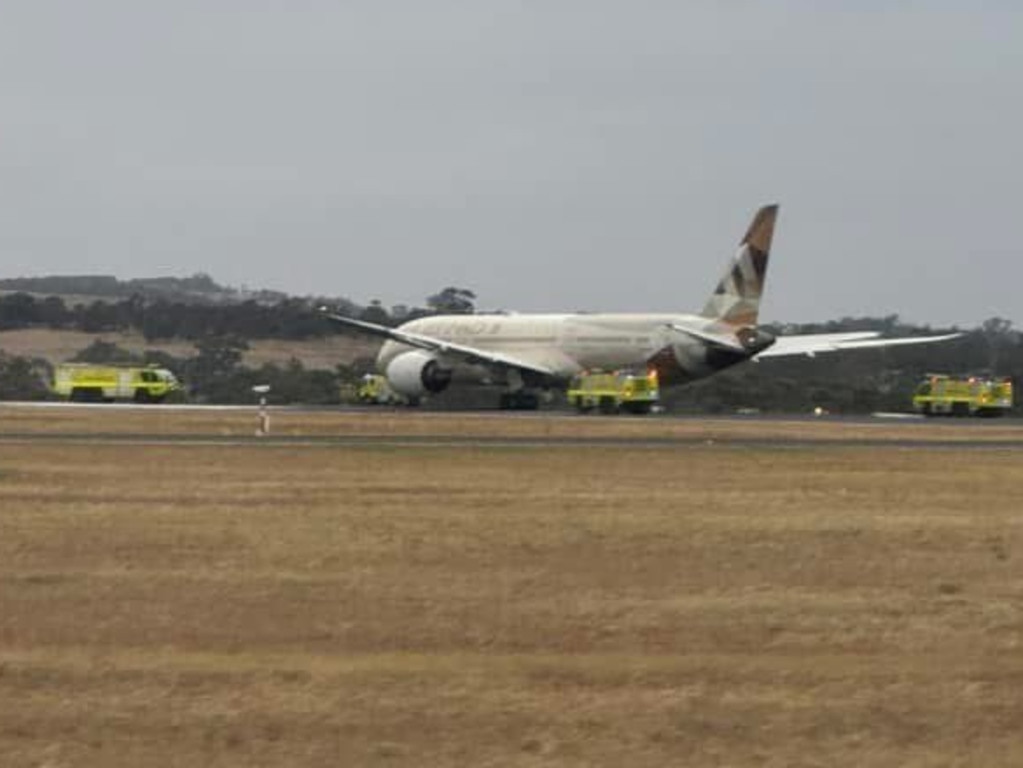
531	592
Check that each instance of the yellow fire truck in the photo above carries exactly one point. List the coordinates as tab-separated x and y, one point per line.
613	392
374	390
85	382
943	395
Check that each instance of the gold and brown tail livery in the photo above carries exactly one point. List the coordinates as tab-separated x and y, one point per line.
736	299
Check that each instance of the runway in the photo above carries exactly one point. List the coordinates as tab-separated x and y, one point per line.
413	442
355	427
476	413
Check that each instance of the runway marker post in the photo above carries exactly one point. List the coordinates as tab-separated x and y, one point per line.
262	415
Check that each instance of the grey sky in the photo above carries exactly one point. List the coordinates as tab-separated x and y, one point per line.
559	155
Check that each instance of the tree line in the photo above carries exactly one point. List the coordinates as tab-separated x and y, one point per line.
859	381
162	319
220	332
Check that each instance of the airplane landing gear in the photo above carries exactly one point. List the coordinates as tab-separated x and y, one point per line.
519	401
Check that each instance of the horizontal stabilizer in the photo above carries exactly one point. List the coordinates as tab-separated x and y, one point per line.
714	339
818	343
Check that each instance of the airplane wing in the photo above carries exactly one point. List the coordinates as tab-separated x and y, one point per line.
817	343
463	353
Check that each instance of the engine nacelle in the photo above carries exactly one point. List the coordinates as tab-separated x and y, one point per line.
413	374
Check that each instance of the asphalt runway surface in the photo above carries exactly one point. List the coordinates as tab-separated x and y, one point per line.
915	432
445	441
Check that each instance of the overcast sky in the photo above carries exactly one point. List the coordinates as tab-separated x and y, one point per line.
550	155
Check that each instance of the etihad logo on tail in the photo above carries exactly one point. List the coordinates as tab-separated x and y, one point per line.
736	300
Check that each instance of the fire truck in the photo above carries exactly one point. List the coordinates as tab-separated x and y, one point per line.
944	395
613	391
86	382
375	390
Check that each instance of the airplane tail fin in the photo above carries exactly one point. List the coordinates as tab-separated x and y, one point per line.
736	300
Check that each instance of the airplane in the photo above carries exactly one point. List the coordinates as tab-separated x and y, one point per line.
530	353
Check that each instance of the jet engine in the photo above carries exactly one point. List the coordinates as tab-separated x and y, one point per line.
413	374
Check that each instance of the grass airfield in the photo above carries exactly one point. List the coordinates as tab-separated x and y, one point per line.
711	602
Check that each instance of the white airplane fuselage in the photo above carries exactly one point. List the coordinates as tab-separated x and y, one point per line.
569	343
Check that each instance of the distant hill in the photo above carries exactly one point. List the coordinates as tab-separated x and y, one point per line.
197	287
60	345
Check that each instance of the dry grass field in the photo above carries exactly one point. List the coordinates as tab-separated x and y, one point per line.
58	346
701	604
